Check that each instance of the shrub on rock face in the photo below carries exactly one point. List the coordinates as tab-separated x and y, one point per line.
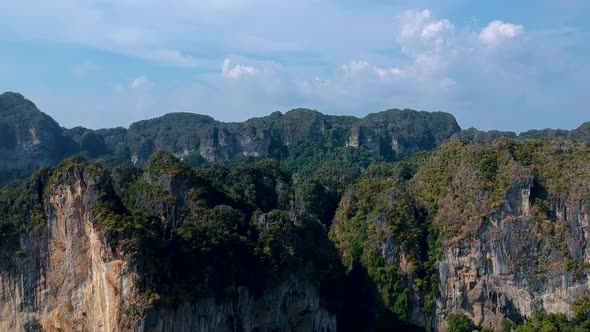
581	308
458	322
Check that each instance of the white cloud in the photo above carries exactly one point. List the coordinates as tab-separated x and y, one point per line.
141	82
420	32
387	72
358	67
236	72
497	32
435	29
429	42
173	57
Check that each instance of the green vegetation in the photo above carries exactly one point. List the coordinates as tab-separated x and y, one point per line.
469	180
367	225
231	222
541	322
380	232
303	140
193	234
412	209
458	322
22	206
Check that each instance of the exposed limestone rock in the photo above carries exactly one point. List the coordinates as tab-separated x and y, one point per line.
503	272
68	276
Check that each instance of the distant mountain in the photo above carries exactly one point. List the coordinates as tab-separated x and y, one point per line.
580	134
29	138
32	139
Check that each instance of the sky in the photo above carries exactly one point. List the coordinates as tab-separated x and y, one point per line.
506	65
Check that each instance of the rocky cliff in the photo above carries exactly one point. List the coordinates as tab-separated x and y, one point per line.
525	249
75	259
494	232
60	274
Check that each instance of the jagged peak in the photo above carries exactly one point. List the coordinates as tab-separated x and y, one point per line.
65	169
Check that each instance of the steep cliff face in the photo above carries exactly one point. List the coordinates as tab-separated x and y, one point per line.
495	232
71	261
516	265
519	246
378	231
61	275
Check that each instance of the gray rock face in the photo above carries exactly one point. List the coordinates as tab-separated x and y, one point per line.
515	265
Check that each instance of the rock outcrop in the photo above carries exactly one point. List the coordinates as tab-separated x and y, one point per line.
62	275
495	232
293	305
65	268
490	227
521	245
516	265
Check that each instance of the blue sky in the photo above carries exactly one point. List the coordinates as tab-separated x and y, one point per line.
509	65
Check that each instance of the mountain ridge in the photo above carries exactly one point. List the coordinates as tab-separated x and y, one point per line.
390	134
